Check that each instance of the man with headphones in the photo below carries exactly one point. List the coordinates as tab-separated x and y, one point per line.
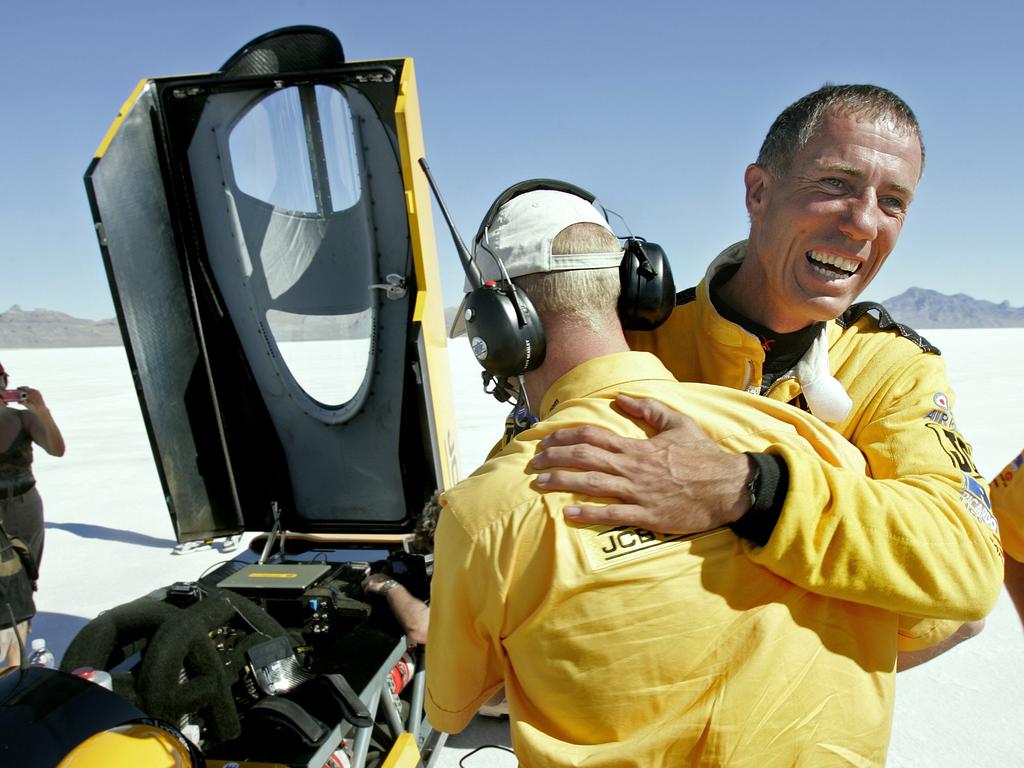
618	646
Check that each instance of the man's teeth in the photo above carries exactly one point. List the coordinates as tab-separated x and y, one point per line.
846	265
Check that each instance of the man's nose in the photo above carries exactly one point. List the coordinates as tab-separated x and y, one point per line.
860	221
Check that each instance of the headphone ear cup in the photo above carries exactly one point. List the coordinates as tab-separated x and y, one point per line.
647	292
504	330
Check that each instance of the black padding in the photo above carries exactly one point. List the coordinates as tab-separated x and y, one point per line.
283	717
331	698
504	331
181	672
114	635
647	291
353	707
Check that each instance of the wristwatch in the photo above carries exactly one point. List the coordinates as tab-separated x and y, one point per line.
386	586
754	485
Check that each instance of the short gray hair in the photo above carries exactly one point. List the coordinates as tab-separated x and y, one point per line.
799	122
583	297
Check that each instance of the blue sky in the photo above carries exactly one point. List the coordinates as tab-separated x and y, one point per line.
656	107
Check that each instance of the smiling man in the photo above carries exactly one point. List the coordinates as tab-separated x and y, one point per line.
775	316
822	227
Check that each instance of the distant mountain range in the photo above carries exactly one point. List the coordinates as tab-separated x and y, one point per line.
45	328
919	308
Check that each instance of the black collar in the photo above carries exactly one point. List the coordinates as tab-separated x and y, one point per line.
781	350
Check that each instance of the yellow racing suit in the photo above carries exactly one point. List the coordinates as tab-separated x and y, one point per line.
621	647
917	535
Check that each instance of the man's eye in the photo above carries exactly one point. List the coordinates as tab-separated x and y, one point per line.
893	204
833	182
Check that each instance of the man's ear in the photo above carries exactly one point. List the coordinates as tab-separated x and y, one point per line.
757	180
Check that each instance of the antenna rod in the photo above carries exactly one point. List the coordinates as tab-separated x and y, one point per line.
472	272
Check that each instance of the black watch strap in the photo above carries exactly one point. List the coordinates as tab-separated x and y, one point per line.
768	488
754	485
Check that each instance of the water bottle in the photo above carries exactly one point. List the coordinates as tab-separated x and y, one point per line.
41	655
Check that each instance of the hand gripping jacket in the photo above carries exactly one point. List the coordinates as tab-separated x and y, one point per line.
917	536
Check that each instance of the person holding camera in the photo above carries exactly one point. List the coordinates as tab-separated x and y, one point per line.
21	507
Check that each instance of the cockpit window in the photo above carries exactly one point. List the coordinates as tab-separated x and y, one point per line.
279	151
290	235
270	156
339	148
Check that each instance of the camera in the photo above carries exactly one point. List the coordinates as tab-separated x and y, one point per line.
13	395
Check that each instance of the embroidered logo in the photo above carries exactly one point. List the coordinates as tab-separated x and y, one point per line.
956	448
941	422
941	414
606	546
975	499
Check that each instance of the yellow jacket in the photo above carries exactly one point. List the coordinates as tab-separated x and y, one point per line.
621	647
1007	491
917	535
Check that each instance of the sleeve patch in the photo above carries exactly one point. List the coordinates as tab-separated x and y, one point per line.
956	448
976	501
941	413
940	420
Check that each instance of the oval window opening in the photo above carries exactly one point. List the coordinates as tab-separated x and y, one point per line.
327	355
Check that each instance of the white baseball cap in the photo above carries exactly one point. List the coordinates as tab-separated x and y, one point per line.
520	235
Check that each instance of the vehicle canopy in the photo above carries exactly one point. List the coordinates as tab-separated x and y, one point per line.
267	235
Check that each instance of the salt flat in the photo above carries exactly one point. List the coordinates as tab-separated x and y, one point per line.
109	538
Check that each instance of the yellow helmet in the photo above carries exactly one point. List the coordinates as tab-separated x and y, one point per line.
131	746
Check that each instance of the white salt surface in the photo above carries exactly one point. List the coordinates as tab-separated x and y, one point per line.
109	538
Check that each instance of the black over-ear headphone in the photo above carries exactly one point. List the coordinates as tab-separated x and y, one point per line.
503	327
